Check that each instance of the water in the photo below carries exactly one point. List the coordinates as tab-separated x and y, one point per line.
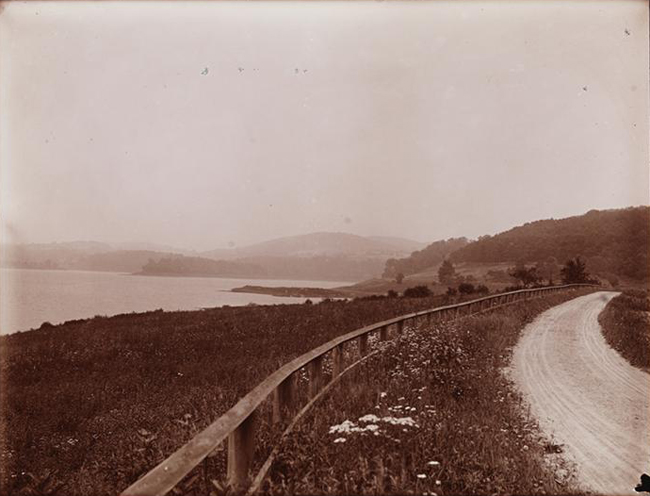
30	297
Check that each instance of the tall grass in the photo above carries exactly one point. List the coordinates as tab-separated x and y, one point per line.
433	414
626	326
90	405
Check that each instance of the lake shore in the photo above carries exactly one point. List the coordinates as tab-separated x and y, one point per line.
295	292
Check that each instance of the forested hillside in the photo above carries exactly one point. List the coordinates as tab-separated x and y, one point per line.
611	241
197	266
429	256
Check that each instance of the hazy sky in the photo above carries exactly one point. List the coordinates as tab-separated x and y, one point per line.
198	124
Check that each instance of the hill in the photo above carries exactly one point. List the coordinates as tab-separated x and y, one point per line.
320	244
421	260
78	256
611	241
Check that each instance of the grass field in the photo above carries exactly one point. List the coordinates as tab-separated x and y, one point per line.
433	414
89	405
626	326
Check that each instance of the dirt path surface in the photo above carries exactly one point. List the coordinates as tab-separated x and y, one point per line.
585	395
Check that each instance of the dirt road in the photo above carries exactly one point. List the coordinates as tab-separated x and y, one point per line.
585	395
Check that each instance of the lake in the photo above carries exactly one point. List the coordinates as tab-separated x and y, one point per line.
30	297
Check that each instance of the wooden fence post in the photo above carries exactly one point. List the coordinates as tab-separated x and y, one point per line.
383	333
315	376
337	360
241	447
400	326
363	344
283	398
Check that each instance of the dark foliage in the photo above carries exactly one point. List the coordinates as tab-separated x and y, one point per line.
446	272
574	272
417	292
466	288
528	276
610	241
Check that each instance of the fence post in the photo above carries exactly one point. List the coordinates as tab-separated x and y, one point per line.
283	398
400	326
383	333
337	360
363	344
315	376
241	447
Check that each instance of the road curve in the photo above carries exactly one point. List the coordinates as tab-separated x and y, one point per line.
585	395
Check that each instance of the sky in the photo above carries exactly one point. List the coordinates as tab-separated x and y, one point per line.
205	124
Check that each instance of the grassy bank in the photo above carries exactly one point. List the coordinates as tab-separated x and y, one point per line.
90	405
626	326
433	414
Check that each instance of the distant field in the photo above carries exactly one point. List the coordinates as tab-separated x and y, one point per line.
430	278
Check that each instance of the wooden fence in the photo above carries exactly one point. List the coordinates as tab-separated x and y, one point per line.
237	425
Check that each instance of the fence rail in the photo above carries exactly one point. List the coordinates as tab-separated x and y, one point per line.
237	425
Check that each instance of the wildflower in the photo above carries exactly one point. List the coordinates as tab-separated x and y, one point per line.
340	440
369	418
438	482
433	463
422	476
383	394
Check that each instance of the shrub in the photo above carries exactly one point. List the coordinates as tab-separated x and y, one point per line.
417	292
466	288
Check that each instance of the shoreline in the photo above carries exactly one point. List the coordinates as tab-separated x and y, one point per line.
295	292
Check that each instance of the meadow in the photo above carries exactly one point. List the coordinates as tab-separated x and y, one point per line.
434	413
90	405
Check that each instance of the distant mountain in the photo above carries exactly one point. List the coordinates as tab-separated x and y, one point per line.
330	256
611	241
402	244
77	255
320	244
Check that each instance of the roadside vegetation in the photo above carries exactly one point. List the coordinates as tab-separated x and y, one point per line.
90	405
433	414
626	326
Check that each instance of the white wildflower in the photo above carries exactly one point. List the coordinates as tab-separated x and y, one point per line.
340	440
422	476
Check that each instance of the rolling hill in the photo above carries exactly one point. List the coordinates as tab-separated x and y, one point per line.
614	243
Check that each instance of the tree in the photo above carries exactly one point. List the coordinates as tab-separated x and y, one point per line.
527	276
399	278
548	269
446	272
574	272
